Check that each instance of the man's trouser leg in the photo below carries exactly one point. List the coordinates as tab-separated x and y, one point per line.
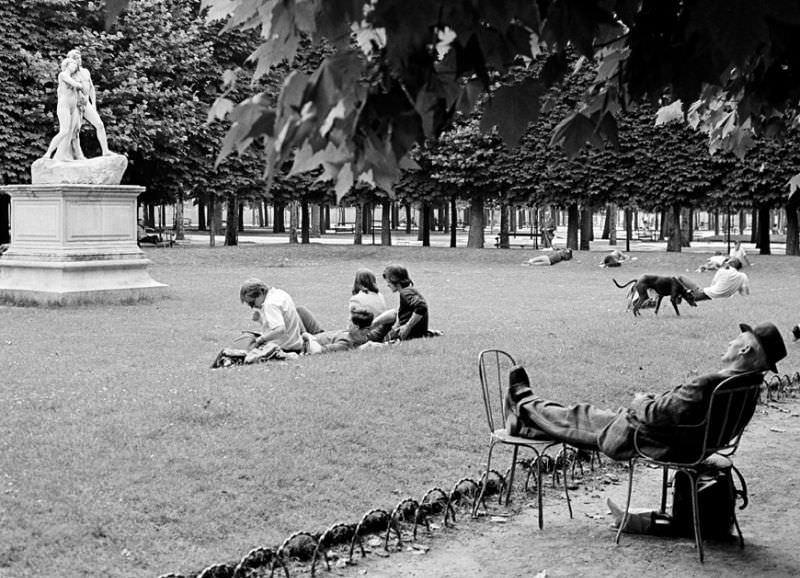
577	425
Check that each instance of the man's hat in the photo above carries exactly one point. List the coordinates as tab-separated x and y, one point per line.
770	340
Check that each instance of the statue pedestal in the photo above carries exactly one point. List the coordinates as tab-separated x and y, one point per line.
74	244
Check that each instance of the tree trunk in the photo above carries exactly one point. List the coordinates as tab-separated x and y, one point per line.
686	227
475	239
358	226
607	223
212	222
756	226
408	219
426	225
278	218
628	229
304	223
265	221
366	218
504	227
293	222
315	220
611	219
792	233
231	221
666	225
180	231
689	234
573	224
386	223
201	215
240	215
763	230
586	228
453	222
674	223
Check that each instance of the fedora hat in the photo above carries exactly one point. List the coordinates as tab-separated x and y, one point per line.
770	340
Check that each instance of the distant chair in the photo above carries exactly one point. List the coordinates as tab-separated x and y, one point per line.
493	368
732	404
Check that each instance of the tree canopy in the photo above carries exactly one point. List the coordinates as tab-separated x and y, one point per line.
401	70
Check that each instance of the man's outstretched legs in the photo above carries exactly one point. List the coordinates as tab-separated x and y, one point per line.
577	425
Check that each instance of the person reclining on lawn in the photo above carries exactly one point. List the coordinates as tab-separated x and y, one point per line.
725	283
755	349
364	328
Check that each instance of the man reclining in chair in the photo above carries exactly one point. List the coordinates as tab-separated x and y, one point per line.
755	349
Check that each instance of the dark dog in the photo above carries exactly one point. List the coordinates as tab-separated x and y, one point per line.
662	286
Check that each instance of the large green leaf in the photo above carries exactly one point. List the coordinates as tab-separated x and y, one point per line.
511	108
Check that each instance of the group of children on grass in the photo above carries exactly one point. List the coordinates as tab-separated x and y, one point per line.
288	330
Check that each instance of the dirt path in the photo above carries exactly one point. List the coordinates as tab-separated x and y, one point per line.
584	546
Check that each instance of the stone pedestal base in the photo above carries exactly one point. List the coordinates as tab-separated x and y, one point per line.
74	244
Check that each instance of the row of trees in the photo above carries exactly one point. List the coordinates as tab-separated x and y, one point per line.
161	67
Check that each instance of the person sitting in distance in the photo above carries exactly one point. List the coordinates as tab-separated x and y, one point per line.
412	314
366	294
756	349
739	253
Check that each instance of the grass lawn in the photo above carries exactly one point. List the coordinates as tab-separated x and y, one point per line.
123	454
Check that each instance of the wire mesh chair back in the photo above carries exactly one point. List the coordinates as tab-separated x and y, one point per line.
730	409
733	404
494	366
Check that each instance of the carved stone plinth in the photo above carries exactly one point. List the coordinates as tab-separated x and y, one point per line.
74	244
106	170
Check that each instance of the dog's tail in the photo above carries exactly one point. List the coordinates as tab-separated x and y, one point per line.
626	284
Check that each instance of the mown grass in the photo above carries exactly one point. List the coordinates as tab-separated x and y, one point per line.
123	454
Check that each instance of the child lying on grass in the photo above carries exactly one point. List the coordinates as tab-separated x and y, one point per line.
364	328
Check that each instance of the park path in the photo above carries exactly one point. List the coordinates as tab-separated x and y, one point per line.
513	546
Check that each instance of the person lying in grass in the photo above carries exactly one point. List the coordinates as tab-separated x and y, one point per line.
556	256
657	417
412	314
364	328
615	259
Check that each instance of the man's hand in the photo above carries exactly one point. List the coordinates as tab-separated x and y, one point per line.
403	332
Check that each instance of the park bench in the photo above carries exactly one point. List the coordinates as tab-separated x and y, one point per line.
166	237
529	241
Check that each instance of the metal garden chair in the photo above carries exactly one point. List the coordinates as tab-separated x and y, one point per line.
493	368
731	406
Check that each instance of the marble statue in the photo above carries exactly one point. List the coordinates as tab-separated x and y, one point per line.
64	161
